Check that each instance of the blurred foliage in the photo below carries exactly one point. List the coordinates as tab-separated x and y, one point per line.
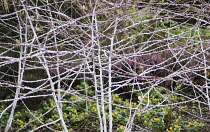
5	4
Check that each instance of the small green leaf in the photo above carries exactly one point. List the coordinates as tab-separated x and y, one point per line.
73	1
38	29
17	41
141	67
61	45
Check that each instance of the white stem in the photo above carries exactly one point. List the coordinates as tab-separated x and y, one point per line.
59	109
21	69
102	129
110	77
205	70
